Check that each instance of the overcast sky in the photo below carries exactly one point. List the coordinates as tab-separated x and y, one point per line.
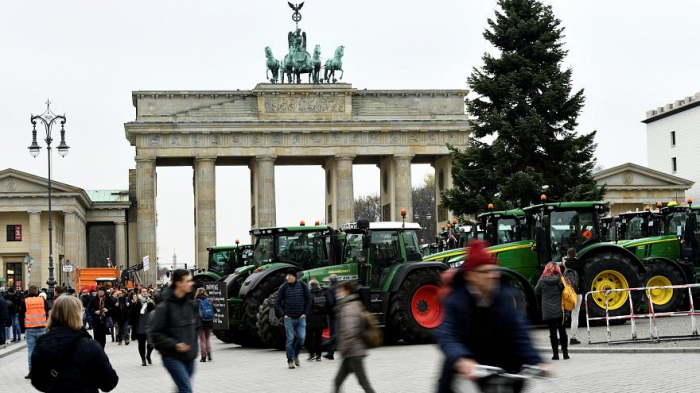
88	56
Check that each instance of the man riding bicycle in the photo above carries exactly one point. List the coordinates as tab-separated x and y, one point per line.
481	326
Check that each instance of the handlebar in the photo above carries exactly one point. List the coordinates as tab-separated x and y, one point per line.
527	372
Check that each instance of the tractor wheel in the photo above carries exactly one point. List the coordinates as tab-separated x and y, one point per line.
521	301
240	337
271	335
257	296
610	271
660	275
415	310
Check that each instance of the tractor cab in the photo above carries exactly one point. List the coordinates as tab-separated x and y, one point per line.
638	225
223	260
306	247
560	226
609	229
682	222
501	227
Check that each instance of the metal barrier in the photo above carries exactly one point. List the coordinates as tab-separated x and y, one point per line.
651	315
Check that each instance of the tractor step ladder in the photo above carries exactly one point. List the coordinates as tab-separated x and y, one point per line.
651	315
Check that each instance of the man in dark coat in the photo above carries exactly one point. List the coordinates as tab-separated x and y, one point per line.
85	299
4	318
294	303
481	325
330	302
100	308
173	330
575	264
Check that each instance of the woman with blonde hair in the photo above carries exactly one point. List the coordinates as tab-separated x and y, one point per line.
66	358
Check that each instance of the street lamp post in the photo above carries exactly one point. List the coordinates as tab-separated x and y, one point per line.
48	119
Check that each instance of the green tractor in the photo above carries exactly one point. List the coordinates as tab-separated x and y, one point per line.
399	288
223	260
275	251
497	227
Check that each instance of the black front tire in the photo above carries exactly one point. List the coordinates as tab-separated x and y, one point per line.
620	264
673	276
257	296
271	335
402	322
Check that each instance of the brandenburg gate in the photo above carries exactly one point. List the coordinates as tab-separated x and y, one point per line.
333	125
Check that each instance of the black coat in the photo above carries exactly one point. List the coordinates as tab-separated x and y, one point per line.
137	320
317	319
495	335
331	301
549	290
122	309
176	320
293	300
94	306
87	369
4	312
576	265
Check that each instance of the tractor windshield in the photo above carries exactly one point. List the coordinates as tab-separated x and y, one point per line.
635	228
222	261
674	223
304	249
571	229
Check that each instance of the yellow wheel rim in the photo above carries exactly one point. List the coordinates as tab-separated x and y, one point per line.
660	296
606	280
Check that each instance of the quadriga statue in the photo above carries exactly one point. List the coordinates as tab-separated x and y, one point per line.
333	65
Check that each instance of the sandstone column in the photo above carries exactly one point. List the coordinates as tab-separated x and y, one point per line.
344	194
35	249
70	237
403	193
146	211
443	181
120	240
205	208
264	193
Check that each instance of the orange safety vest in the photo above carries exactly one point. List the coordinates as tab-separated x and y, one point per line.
35	316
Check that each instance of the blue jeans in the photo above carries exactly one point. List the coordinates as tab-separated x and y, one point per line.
181	372
331	347
16	330
295	328
31	335
87	321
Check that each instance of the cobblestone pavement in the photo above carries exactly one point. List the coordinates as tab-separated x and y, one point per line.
391	369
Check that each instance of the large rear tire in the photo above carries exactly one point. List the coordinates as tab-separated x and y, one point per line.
416	310
257	296
660	274
271	335
610	271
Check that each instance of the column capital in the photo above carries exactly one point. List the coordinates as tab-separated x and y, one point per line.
266	157
205	159
144	159
34	212
404	156
345	156
120	222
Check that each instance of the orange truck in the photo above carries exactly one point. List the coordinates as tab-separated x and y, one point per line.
95	276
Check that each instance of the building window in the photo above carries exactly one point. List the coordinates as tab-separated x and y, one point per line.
673	138
674	165
14	233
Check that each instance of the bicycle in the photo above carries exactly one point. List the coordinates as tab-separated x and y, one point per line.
491	379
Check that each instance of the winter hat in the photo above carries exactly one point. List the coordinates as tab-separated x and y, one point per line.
313	282
477	256
42	294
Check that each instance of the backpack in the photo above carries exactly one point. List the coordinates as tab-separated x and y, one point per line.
206	310
371	334
319	304
572	277
568	296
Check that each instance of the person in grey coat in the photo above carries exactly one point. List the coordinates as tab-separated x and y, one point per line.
549	289
350	325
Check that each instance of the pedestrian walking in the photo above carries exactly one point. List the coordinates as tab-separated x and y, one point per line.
100	308
316	321
15	299
573	264
173	329
481	326
122	308
330	303
4	319
58	291
206	317
294	304
142	305
33	314
85	299
66	358
549	289
350	344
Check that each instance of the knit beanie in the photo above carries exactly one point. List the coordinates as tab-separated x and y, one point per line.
477	255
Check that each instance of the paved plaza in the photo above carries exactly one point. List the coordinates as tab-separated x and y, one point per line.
392	369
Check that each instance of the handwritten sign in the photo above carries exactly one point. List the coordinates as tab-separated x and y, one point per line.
218	296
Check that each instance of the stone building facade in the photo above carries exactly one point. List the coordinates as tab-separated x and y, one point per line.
631	187
88	228
331	125
673	140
